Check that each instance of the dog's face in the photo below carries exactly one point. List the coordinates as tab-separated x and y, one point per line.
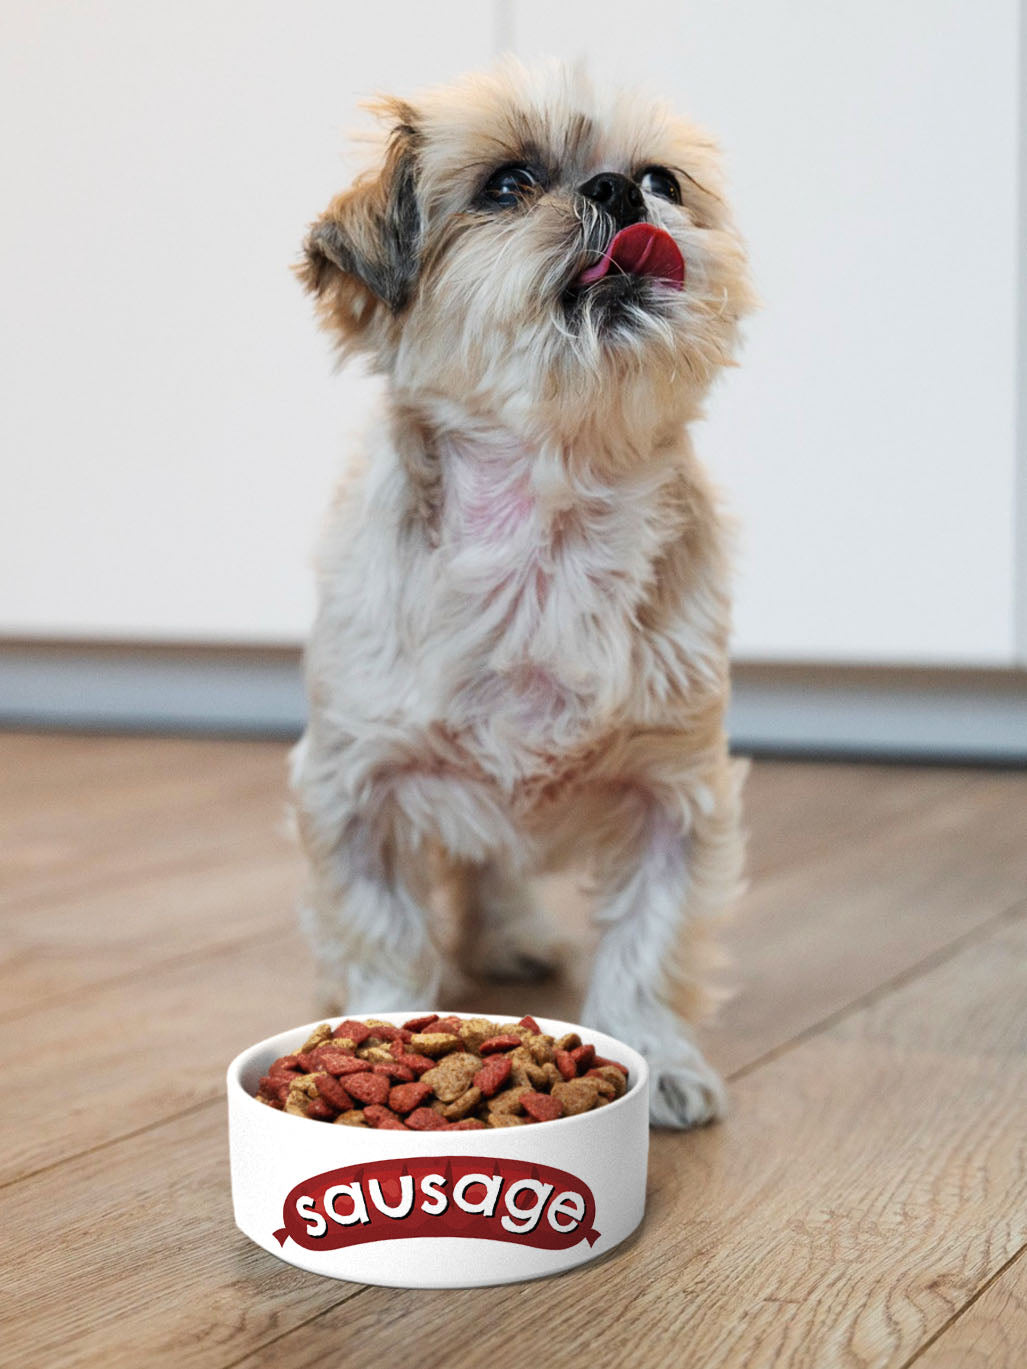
527	248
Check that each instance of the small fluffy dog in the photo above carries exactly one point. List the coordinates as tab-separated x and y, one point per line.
520	655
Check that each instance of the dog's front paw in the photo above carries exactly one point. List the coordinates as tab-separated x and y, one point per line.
685	1092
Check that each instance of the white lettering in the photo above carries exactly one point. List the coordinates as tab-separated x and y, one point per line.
487	1206
566	1205
431	1187
356	1197
406	1197
307	1208
525	1218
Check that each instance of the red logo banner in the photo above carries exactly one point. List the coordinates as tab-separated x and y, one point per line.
441	1195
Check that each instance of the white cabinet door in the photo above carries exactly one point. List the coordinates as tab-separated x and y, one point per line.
868	441
170	427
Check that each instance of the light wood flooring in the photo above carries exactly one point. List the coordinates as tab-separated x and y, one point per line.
865	1204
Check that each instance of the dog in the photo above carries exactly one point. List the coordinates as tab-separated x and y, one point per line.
519	660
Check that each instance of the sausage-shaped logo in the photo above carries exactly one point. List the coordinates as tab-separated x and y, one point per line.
472	1196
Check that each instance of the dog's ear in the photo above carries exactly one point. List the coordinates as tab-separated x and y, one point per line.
361	256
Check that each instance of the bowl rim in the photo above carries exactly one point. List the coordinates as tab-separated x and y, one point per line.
637	1064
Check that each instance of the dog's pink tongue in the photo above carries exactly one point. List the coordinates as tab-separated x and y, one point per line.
641	249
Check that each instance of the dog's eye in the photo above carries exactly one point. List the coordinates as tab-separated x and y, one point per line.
657	180
509	186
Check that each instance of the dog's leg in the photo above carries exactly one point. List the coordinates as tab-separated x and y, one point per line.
366	921
365	911
508	936
664	877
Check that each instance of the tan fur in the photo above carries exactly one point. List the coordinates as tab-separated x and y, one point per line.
520	656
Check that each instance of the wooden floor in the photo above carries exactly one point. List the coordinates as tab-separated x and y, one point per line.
865	1204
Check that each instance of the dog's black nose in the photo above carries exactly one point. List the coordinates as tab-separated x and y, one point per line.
619	196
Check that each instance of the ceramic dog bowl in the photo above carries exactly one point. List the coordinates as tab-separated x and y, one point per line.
437	1209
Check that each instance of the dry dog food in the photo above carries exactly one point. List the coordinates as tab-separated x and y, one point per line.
441	1074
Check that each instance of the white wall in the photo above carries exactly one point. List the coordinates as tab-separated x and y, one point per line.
170	422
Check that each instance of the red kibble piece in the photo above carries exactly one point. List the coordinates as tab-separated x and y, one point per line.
286	1062
276	1086
306	1062
493	1075
450	1025
401	1073
356	1031
406	1097
332	1092
582	1057
338	1062
601	1060
418	1024
384	1032
507	1042
418	1063
320	1110
382	1119
542	1106
566	1064
368	1088
466	1124
531	1025
426	1119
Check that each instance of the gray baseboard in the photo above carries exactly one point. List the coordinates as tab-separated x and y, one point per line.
788	710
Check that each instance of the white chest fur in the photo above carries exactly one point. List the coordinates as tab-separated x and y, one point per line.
539	572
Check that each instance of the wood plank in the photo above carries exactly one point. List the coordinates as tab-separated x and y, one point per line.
795	817
991	1333
822	932
867	1184
134	1260
84	941
169	802
143	1050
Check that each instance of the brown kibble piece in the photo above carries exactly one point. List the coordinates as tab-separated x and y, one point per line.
507	1101
451	1076
376	1055
301	1090
568	1042
353	1118
460	1107
319	1034
506	1119
475	1030
541	1048
613	1076
576	1095
434	1044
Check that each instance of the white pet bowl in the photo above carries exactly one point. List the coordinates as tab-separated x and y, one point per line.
548	1196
